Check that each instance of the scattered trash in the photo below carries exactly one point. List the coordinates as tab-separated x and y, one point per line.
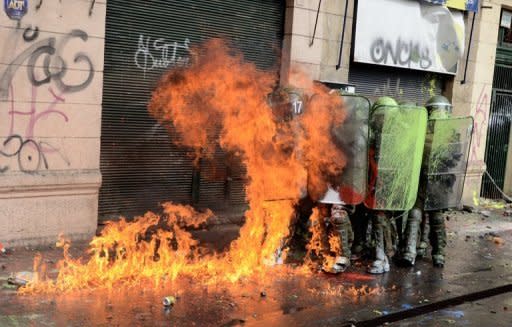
492	311
491	204
485	213
263	294
406	306
169	301
449	321
468	237
231	304
418	272
507	213
468	208
2	249
21	278
498	240
377	312
3	267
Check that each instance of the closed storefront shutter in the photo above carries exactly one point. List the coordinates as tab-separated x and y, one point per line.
401	84
140	163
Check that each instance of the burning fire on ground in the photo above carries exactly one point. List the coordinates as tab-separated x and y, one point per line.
219	99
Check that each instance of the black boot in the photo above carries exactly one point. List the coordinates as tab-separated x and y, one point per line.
381	263
341	238
437	238
408	256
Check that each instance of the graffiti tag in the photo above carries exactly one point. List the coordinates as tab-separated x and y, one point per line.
164	53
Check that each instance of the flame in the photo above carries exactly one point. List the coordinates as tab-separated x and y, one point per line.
219	99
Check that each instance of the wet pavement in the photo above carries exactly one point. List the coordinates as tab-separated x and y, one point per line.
479	258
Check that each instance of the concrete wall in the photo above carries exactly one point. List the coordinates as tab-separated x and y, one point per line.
319	59
51	76
474	96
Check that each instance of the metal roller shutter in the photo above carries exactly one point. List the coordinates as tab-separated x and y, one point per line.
140	164
401	84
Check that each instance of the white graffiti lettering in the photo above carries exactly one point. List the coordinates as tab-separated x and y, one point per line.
160	53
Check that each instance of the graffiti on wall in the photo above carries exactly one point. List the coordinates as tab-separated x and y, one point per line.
480	121
160	53
29	153
54	67
43	66
429	46
401	53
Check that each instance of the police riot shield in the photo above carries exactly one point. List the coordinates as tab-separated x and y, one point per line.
351	137
446	153
287	104
397	136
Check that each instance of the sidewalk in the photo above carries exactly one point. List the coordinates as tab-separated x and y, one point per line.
479	258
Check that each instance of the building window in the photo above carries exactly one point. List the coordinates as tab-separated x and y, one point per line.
505	33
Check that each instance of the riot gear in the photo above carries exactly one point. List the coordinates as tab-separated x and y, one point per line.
397	135
349	188
442	180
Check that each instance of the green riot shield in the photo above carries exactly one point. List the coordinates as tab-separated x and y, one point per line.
445	161
397	136
352	138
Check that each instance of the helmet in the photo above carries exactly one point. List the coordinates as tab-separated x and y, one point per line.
385	101
438	107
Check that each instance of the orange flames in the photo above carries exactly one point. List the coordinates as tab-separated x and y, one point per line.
219	99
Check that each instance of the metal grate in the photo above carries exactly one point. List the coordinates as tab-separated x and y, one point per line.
498	135
140	164
401	84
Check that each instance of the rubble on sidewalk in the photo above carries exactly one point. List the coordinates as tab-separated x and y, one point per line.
21	278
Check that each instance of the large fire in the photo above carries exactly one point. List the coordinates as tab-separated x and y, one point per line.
219	99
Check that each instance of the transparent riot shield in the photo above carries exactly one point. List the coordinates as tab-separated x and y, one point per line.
352	138
397	135
447	146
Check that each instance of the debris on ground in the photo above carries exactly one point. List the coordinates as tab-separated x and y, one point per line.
169	301
485	213
498	240
492	204
263	294
377	312
468	208
3	250
507	213
21	278
449	321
